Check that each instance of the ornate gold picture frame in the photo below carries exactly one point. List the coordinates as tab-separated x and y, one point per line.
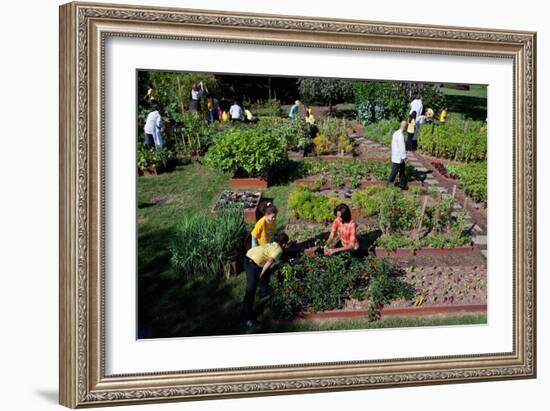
84	28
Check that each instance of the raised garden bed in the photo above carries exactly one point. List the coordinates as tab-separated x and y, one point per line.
247	200
249	183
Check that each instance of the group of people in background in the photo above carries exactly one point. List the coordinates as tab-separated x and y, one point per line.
406	138
154	126
419	116
267	249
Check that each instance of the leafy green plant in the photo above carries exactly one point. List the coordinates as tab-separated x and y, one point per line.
305	204
459	139
247	152
368	200
382	130
203	246
473	177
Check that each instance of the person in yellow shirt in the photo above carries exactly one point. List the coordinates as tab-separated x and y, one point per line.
443	115
258	265
411	128
266	227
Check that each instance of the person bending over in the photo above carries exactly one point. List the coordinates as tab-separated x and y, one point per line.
258	265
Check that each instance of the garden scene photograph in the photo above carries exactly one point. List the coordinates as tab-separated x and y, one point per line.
270	204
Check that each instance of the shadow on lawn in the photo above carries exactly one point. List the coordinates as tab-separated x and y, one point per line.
171	306
472	107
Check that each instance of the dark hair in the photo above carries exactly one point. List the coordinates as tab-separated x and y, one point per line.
412	115
268	208
345	212
281	239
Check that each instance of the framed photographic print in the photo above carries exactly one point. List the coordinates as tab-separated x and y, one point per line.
259	204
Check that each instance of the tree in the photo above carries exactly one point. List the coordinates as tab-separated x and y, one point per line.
325	91
173	89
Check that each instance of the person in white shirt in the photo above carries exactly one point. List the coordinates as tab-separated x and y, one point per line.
236	112
417	105
154	128
398	156
196	93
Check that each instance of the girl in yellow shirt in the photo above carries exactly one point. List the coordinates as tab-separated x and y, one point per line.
266	227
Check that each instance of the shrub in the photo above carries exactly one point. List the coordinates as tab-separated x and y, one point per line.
203	246
368	200
473	177
458	139
162	159
397	211
247	152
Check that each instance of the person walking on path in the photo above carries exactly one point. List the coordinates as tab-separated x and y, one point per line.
258	265
398	156
417	105
154	128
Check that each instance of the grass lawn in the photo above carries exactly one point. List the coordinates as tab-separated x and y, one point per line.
472	103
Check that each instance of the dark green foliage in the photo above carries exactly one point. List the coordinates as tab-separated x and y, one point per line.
247	152
325	91
385	285
292	131
458	139
318	284
204	246
326	283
